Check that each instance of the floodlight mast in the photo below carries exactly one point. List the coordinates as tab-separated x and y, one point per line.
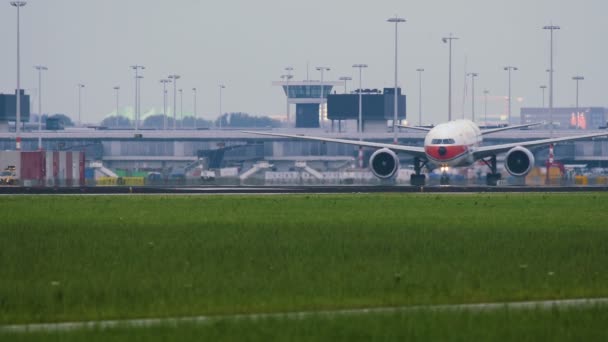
117	88
449	41
289	70
420	71
181	108
345	79
551	28
577	79
221	87
485	94
473	75
18	5
194	107
360	123
40	69
164	82
286	79
174	78
137	78
80	86
322	69
509	69
542	88
395	20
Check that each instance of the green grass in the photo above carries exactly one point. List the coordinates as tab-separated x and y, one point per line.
502	325
107	257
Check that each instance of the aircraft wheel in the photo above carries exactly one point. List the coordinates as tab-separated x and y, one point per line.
417	180
493	178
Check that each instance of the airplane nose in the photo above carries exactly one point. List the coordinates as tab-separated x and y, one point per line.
442	151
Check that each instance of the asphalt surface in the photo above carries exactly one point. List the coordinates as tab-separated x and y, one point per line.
325	189
580	303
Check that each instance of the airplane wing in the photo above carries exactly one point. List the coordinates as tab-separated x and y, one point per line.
500	129
418	128
486	151
412	150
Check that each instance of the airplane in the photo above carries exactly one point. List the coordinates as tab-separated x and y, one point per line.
451	144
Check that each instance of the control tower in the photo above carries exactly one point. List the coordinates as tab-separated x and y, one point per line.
310	98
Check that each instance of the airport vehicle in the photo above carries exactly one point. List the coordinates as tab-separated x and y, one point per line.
8	176
450	144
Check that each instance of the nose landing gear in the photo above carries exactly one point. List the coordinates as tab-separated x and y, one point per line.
445	179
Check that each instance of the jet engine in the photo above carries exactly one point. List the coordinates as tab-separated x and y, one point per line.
519	161
384	163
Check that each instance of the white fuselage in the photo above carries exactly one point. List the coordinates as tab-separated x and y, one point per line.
452	143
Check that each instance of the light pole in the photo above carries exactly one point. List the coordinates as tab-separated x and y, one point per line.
137	122
449	41
508	69
181	108
221	86
18	5
164	83
551	28
117	88
577	79
420	71
485	95
174	78
345	79
40	69
289	71
286	78
542	88
194	106
395	20
80	86
360	123
473	75
137	77
322	69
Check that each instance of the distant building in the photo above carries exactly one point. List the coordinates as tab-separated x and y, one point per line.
310	100
586	118
8	109
377	107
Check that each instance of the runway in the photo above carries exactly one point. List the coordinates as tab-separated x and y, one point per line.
149	322
321	189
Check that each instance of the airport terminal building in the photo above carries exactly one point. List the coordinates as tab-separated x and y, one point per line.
582	118
315	104
8	109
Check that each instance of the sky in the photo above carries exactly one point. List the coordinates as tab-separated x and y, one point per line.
247	44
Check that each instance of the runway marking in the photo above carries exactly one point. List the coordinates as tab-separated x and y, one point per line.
148	322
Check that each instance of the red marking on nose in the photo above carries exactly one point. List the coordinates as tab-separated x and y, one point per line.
443	152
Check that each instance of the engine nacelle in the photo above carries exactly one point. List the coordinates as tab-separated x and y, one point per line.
384	163
519	161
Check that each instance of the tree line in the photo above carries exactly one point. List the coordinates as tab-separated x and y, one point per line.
232	120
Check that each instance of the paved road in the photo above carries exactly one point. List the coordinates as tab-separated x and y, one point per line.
325	189
148	322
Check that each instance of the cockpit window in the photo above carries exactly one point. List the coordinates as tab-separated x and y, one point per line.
443	141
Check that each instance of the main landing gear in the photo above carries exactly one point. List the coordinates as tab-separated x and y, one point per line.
418	179
493	177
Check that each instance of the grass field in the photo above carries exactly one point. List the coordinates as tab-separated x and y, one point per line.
109	257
